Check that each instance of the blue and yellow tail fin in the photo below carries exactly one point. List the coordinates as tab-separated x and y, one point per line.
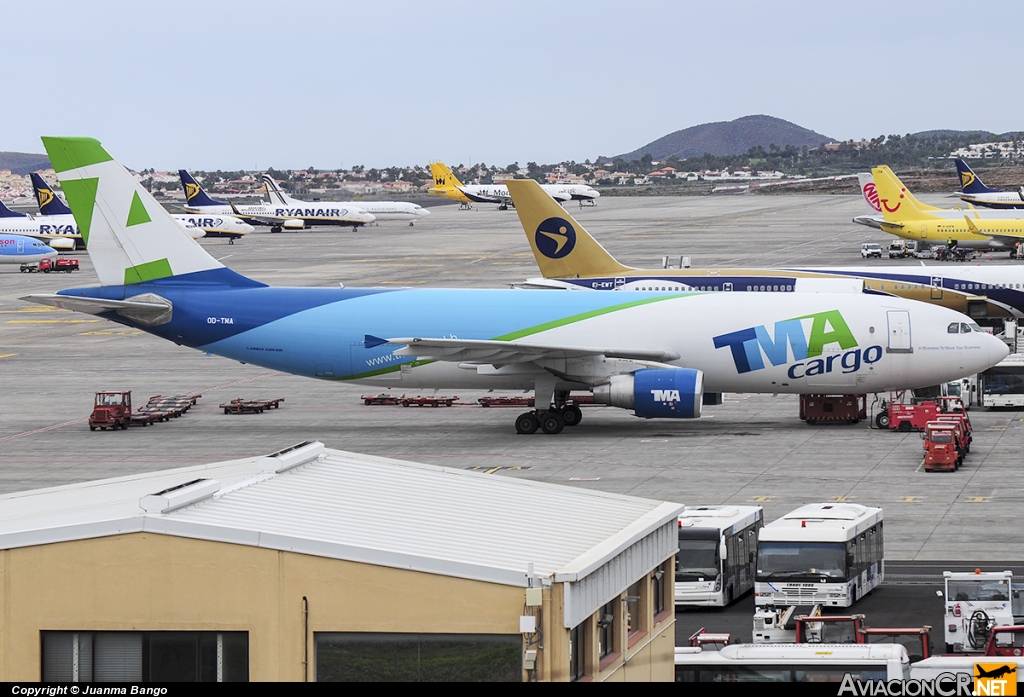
49	202
970	183
195	197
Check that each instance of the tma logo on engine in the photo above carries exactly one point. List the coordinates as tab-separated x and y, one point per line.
751	346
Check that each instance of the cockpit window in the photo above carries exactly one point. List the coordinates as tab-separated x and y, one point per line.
953	328
975	327
964	329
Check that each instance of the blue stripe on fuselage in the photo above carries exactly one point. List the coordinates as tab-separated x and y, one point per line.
329	340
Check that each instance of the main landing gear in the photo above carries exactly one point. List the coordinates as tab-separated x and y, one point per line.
552	420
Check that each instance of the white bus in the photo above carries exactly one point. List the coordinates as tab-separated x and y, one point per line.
792	663
715	561
828	554
1002	385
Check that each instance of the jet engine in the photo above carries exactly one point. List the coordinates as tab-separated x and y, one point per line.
293	224
656	393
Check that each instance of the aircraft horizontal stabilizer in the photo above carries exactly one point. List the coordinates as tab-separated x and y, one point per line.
508	352
147	309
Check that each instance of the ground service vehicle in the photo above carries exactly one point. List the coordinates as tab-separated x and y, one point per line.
111	409
1006	647
940	449
871	249
1002	385
792	663
715	562
906	417
975	603
828	554
47	265
898	250
823	408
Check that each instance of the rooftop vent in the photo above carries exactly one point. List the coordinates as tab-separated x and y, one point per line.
298	454
179	496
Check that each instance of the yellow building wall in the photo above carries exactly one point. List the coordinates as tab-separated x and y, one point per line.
152	582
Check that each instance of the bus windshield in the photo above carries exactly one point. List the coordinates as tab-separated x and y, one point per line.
697	559
784	560
1003	380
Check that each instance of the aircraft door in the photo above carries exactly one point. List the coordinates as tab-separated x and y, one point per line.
924	231
21	246
726	286
936	287
899	331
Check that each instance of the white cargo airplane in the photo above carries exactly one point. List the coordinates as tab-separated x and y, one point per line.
278	217
381	210
653	353
56	219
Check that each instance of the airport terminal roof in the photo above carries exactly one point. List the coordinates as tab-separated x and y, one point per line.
330	503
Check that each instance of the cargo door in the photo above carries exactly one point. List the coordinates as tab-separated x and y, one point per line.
936	287
899	331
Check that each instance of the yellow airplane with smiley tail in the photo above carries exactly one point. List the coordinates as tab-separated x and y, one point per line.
904	216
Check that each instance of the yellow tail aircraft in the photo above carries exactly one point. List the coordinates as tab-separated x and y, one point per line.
446	184
906	217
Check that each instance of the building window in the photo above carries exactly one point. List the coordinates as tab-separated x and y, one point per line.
658	590
379	657
634	609
578	651
145	656
607	620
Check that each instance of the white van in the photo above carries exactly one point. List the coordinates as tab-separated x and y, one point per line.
871	249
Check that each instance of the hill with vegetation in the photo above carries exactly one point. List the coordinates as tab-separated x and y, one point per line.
23	162
724	138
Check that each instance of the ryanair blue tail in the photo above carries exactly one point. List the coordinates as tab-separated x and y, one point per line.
194	194
970	183
49	203
6	212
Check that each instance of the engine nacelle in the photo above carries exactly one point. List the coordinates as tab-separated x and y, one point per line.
293	224
656	393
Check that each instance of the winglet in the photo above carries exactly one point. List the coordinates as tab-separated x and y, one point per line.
562	248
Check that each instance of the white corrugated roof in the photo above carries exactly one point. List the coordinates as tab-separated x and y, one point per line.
355	507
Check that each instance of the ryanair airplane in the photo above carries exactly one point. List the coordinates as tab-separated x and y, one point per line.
57	224
278	215
381	210
973	190
656	354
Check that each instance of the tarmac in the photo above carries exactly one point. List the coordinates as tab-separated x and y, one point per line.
751	449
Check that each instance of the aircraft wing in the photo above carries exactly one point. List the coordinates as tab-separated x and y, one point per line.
477	198
509	352
874	221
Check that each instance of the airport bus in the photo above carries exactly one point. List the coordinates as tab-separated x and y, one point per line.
1002	385
828	554
792	663
715	561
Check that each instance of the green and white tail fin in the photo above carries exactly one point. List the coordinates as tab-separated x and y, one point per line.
129	236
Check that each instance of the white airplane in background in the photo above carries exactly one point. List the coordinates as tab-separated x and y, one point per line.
447	185
381	210
56	214
63	236
278	217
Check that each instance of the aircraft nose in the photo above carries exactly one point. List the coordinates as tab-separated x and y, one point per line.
594	192
997	350
422	212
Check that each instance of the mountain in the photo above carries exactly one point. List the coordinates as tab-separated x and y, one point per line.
729	138
23	162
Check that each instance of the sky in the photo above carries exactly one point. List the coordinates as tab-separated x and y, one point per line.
226	84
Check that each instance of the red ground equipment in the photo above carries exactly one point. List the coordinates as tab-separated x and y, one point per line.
846	408
905	417
940	447
111	409
1006	641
